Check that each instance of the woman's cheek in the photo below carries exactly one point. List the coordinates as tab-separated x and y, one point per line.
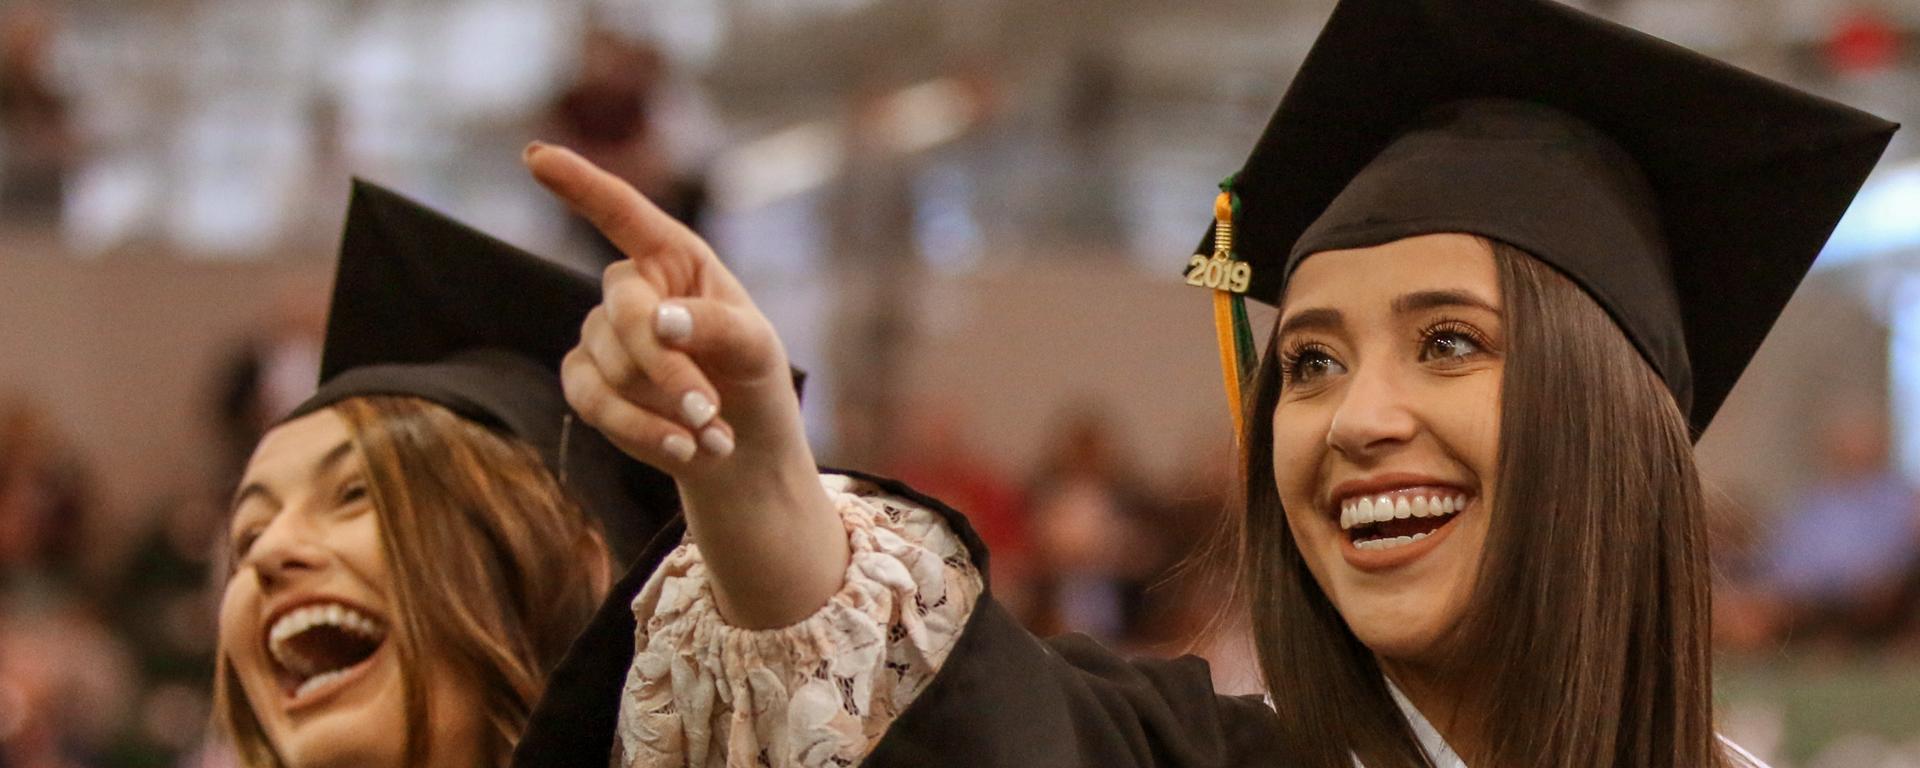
360	544
1299	446
240	612
234	604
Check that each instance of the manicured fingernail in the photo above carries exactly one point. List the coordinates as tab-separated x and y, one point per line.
526	155
698	409
673	323
680	447
716	441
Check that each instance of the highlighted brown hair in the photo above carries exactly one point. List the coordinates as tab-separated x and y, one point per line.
495	568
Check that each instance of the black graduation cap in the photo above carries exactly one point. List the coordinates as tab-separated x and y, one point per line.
1688	197
429	307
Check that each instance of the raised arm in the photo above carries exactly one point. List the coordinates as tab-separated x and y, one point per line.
680	370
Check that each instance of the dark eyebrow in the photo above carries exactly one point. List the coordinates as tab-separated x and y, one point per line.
1318	318
246	492
333	457
1424	300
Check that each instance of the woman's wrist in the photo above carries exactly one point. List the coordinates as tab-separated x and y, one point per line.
771	537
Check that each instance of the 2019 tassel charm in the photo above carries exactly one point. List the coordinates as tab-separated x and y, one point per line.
1229	277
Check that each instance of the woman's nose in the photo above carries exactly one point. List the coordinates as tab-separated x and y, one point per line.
287	550
1372	416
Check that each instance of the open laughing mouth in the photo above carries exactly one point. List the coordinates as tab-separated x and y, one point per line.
317	647
1379	522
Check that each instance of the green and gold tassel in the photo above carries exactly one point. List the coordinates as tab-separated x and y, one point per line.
1231	327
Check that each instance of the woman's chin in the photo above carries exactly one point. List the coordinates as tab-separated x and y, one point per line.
1407	638
360	723
330	755
343	741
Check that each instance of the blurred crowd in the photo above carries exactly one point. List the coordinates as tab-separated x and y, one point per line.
1839	568
106	635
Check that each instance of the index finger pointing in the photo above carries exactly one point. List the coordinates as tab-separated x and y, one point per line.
634	224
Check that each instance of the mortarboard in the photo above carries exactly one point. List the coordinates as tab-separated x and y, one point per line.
1686	196
428	307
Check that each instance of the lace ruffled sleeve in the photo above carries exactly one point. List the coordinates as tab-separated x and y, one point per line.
704	694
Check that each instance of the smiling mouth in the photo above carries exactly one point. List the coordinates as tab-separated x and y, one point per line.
1397	519
318	643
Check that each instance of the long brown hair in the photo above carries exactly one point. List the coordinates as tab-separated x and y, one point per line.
495	569
1588	621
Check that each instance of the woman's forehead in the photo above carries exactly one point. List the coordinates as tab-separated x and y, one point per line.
1376	275
295	448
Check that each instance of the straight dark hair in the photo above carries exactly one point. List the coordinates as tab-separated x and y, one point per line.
1588	622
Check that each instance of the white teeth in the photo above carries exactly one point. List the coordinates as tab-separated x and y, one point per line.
1379	509
313	683
1374	545
1362	511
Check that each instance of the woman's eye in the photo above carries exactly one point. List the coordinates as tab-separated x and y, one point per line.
1448	345
1310	365
243	541
353	492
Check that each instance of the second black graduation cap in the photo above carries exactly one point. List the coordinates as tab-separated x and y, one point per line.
1688	197
428	307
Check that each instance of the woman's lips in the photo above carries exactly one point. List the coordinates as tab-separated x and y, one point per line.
319	645
1386	530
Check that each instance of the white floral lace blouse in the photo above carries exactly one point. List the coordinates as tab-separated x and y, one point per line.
818	693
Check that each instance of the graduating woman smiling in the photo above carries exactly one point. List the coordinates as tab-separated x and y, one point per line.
1520	256
414	548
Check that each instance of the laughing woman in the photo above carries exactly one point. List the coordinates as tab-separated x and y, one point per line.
1520	256
414	548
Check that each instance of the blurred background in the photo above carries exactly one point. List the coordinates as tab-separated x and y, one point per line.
966	219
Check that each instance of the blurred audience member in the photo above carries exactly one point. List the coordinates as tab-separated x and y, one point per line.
44	502
38	140
612	114
1086	184
1193	573
164	606
64	687
64	681
1092	561
936	457
1188	606
1844	552
266	375
1745	614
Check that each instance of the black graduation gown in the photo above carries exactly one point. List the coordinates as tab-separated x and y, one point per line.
1004	699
